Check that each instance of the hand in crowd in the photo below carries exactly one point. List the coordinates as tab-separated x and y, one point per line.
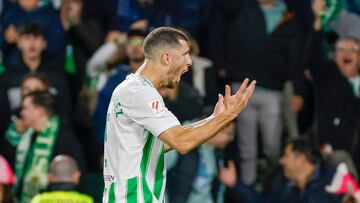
227	175
318	8
19	125
140	25
11	34
70	13
116	36
297	103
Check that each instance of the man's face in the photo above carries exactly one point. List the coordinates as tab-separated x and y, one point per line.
291	162
347	57
180	61
31	46
28	5
32	85
135	49
29	112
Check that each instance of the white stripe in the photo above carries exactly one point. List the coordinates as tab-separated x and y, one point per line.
153	163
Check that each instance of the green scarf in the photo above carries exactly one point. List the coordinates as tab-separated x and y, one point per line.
38	156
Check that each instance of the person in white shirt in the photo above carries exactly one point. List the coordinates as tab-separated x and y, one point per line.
140	129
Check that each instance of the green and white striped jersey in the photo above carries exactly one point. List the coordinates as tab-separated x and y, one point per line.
134	165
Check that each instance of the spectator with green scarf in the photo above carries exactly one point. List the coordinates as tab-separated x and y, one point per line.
46	136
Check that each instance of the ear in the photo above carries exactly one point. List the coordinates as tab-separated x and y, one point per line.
76	177
50	178
165	59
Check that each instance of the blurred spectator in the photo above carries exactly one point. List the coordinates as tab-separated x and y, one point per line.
264	43
336	83
201	75
306	177
80	44
189	15
45	137
31	42
64	177
117	73
28	11
7	179
207	171
30	83
186	103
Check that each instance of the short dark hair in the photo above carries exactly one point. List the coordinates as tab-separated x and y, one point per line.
45	100
37	76
306	147
31	28
162	37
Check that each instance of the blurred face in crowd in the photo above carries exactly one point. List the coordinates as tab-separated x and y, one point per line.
179	62
29	112
266	1
224	137
347	57
72	8
28	5
292	162
135	49
31	46
32	85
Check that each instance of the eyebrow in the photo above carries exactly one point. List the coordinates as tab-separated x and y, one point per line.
186	52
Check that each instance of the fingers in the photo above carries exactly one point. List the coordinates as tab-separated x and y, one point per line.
243	86
221	99
250	89
227	92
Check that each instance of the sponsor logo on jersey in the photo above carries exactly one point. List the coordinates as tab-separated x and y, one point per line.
109	178
156	107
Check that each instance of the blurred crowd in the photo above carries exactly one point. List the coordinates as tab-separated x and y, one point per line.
296	141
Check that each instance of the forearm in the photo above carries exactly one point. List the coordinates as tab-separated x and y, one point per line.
186	138
200	122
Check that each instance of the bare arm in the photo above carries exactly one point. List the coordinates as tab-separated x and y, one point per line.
186	138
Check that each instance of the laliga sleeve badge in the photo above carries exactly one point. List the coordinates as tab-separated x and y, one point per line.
156	107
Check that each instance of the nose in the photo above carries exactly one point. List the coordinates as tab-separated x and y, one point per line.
189	62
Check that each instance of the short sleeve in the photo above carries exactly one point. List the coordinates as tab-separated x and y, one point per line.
147	108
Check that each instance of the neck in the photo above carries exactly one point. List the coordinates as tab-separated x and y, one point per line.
41	123
152	72
32	63
304	176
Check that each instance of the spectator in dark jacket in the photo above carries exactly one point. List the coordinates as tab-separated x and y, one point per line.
83	35
306	177
28	11
264	42
337	87
31	42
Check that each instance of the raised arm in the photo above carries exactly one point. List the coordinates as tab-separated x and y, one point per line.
185	138
315	54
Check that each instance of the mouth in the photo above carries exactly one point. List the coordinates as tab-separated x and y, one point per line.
185	71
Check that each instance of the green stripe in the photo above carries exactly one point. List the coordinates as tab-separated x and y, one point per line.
111	197
159	177
144	165
131	192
